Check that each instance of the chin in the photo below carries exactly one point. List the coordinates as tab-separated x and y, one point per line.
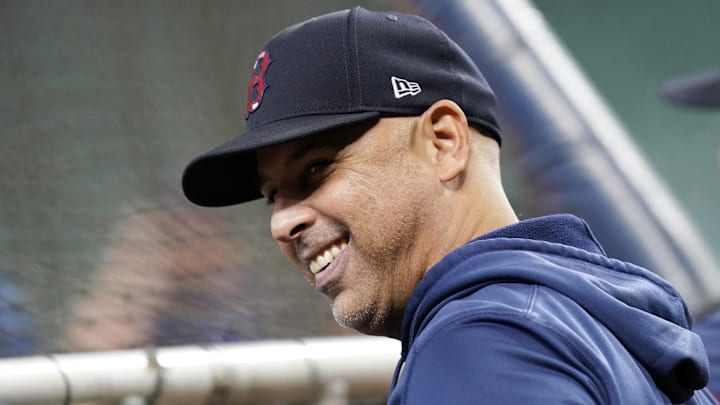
364	319
351	316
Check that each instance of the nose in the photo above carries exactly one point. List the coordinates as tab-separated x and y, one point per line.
289	219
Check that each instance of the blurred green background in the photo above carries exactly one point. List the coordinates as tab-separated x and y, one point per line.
628	49
104	102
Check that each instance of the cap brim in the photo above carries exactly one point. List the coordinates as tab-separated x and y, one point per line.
702	90
227	174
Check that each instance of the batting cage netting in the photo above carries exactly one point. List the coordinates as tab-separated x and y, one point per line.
103	104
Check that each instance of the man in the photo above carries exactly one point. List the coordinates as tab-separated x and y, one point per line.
373	136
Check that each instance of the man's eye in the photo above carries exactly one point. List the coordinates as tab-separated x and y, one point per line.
316	168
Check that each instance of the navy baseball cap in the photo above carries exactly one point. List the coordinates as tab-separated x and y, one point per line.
699	90
343	68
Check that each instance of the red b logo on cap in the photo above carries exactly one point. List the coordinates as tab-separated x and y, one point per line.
257	85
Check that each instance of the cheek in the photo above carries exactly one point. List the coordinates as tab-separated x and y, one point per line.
368	183
353	203
340	195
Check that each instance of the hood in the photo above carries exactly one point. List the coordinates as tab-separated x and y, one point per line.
641	309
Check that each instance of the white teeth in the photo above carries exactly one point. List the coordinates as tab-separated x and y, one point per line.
325	258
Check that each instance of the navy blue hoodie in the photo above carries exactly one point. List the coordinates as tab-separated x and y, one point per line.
536	313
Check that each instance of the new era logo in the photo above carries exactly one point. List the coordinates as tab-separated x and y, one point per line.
402	87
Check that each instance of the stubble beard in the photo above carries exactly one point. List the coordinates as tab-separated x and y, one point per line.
359	307
360	319
363	307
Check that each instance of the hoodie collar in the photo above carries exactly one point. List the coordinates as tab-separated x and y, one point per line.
562	229
616	293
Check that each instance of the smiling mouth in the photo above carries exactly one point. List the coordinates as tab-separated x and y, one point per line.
323	260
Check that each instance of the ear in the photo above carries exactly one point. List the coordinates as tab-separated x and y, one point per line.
444	135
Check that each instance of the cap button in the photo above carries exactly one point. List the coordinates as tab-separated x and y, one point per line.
391	17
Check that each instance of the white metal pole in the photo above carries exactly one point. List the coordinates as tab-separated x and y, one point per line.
242	373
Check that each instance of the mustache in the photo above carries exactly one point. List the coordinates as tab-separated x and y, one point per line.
318	236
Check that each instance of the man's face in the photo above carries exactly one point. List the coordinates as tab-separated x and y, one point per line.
347	209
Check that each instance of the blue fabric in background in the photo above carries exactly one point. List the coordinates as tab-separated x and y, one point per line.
16	326
709	330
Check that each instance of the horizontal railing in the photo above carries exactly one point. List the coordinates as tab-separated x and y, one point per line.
308	370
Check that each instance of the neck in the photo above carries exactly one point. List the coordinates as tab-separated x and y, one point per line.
473	214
